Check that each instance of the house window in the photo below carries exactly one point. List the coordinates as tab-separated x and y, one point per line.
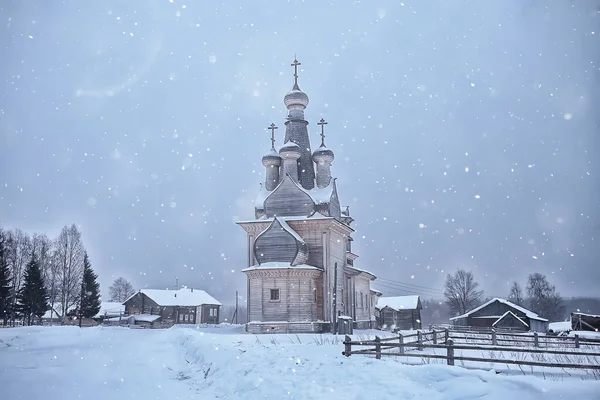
180	317
274	294
186	318
212	312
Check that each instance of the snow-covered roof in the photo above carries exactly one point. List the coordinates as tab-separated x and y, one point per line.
288	229
317	216
109	308
145	317
360	271
182	297
528	313
56	312
376	291
398	303
510	313
277	265
322	195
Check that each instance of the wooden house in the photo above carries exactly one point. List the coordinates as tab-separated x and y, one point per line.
585	322
183	306
399	313
301	272
501	314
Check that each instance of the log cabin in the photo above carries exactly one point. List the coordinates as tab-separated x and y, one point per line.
301	272
182	306
399	313
501	314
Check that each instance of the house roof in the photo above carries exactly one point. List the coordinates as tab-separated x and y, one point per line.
528	313
110	308
398	303
181	297
510	313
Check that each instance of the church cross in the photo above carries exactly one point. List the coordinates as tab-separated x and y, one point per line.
322	123
295	65
272	127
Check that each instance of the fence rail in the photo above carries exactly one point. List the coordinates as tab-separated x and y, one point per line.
429	340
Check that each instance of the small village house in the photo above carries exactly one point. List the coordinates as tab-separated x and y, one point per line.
182	306
398	313
501	314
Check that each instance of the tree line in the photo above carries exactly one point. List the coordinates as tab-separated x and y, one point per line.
38	274
462	294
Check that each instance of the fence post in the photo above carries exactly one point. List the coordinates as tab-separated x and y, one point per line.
377	347
576	341
494	341
450	355
401	341
347	346
536	341
434	336
419	341
446	335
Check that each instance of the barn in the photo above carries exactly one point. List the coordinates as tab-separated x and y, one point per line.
398	313
501	314
585	322
182	306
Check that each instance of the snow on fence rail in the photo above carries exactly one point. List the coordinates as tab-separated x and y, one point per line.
429	340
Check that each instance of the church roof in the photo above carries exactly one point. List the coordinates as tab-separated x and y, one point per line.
278	265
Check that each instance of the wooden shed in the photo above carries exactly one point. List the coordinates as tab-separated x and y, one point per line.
501	314
183	306
585	322
398	313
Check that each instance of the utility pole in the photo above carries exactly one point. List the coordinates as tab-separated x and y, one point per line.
236	307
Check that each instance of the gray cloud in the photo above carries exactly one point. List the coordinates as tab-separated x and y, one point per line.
465	133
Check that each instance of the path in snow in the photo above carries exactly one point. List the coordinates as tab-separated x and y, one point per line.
185	363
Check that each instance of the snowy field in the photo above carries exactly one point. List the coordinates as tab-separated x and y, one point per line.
114	363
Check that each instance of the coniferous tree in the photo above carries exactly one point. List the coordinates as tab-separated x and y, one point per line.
32	299
90	293
5	281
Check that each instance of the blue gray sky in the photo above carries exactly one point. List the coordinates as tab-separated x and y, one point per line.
465	133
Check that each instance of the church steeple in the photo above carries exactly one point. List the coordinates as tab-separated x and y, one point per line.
296	130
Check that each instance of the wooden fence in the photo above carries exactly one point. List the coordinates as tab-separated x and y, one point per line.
444	340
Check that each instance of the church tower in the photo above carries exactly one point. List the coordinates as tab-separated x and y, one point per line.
300	266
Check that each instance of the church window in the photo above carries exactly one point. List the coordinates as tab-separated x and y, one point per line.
274	294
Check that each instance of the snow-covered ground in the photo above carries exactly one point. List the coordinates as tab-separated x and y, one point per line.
223	362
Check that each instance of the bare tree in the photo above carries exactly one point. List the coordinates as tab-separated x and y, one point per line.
543	298
120	290
69	259
516	294
461	292
18	255
44	250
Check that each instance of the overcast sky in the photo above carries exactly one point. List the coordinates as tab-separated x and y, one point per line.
465	132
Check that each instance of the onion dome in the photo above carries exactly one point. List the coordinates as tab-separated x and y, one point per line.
290	150
296	98
272	158
322	155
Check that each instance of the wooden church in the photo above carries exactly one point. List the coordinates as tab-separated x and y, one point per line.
301	271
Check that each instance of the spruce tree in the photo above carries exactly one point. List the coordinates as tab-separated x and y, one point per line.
90	299
32	299
5	281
